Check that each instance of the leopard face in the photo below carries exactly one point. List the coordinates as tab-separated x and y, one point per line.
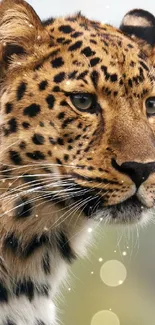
77	117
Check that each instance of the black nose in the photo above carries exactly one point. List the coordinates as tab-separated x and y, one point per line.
138	172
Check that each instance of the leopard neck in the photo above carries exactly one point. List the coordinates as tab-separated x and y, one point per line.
33	266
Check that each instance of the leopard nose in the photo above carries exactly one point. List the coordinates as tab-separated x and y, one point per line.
138	172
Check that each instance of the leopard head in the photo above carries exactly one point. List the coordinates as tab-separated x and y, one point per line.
77	115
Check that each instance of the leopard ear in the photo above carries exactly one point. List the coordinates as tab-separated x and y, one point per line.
20	30
140	24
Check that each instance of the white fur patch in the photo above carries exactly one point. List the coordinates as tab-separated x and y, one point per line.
23	312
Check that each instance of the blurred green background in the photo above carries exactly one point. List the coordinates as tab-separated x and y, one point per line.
132	300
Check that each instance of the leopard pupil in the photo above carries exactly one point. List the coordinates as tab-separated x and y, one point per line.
84	101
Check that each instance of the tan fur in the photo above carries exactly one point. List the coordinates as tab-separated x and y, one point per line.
120	130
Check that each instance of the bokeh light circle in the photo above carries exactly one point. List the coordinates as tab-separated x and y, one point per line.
113	273
105	317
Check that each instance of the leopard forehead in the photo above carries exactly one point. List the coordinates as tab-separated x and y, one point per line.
80	49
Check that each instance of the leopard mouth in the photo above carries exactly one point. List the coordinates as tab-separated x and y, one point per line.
129	211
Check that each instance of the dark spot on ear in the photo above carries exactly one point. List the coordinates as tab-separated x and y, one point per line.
15	157
50	101
21	90
38	139
36	155
32	110
11	49
66	29
145	33
43	85
57	63
8	108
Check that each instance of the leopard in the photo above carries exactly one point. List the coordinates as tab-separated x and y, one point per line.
77	144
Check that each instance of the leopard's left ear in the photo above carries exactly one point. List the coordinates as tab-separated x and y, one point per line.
21	31
140	24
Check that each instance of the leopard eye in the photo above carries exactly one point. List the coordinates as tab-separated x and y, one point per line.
150	106
82	102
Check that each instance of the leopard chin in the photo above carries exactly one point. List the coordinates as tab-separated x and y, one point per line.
128	212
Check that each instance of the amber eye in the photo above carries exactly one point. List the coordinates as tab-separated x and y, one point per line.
82	102
150	106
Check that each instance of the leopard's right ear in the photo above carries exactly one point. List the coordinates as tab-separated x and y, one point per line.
20	31
141	24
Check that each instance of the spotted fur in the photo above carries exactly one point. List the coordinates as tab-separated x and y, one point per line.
64	169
